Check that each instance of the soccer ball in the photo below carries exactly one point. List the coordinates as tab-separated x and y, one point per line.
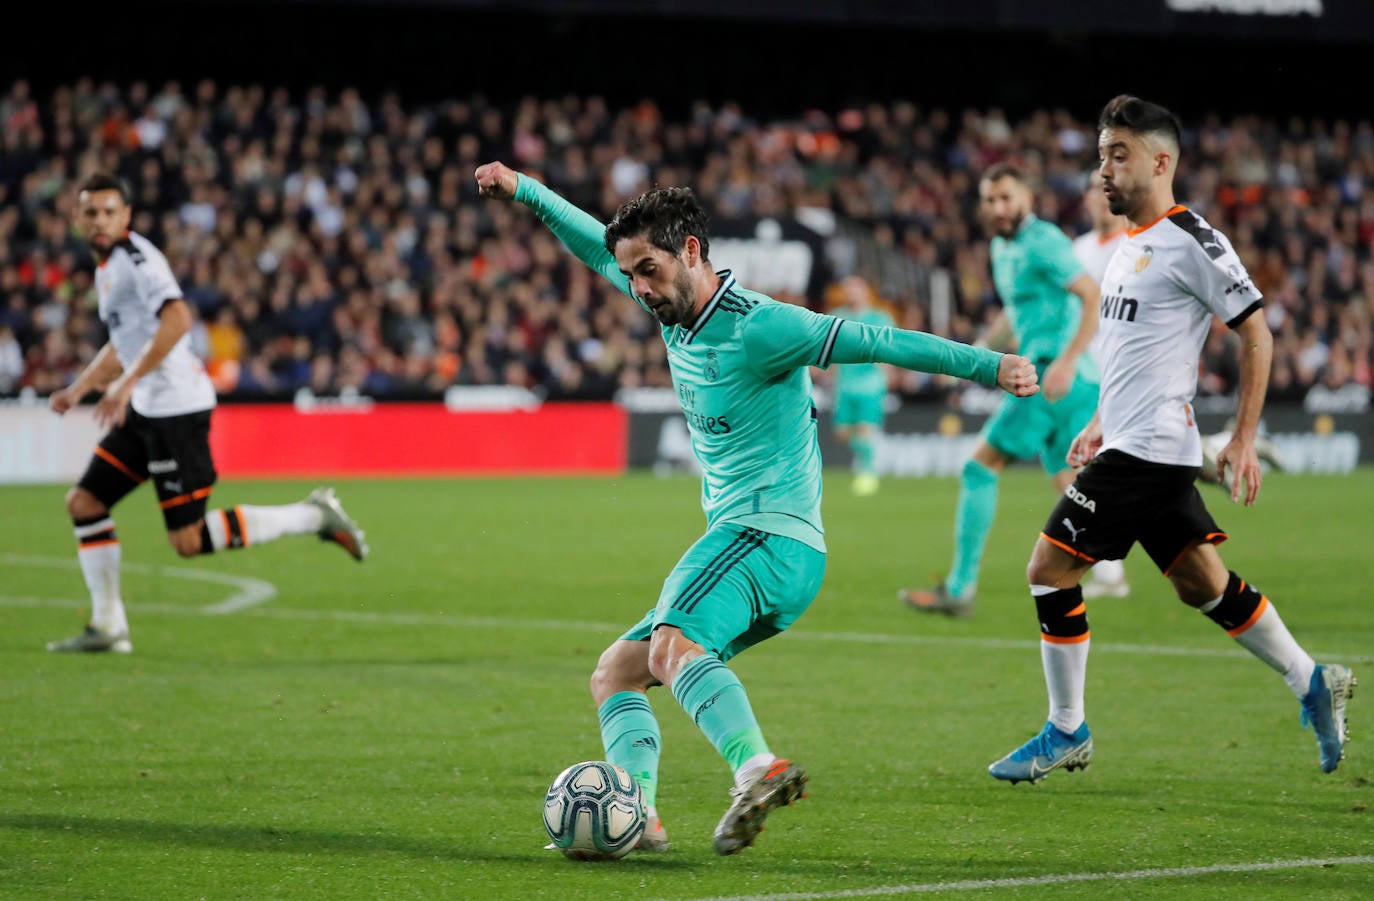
594	810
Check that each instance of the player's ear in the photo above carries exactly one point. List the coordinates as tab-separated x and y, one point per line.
691	250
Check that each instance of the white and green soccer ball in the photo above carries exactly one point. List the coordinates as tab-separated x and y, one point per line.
594	810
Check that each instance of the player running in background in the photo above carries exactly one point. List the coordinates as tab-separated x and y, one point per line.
860	389
740	364
1050	308
1142	449
157	401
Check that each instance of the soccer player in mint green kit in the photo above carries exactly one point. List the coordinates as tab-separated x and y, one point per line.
739	362
860	389
1050	306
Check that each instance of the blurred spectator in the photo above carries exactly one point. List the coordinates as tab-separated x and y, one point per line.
1337	392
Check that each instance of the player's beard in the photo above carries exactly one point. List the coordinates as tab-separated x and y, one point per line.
1121	202
680	303
1007	228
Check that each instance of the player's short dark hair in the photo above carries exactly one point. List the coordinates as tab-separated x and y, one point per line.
999	171
104	181
666	215
1140	116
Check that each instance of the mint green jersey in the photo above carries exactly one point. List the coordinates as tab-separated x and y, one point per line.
862	378
1032	271
741	372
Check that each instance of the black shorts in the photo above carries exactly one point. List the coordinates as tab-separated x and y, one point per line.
174	451
1118	500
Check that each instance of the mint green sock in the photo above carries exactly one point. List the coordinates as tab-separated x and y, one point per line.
629	733
972	522
714	698
861	445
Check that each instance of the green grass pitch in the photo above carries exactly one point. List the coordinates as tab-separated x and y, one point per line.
387	730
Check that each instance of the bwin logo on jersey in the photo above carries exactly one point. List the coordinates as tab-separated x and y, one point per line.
1081	500
1114	306
712	368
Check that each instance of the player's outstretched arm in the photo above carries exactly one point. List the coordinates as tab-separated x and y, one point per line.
855	342
579	231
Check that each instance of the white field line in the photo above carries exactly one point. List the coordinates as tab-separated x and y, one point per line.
254	592
966	885
250	592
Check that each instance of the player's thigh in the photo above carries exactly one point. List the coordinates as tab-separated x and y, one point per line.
118	465
1070	414
1181	523
1098	515
737	586
1018	427
181	466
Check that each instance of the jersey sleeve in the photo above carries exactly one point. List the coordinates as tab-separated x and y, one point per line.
917	351
779	337
579	231
1054	254
156	283
1214	274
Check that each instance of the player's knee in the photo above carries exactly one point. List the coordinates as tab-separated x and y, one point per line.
81	504
1195	589
1043	568
186	542
605	680
660	662
622	667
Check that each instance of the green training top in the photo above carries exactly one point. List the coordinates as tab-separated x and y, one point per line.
1032	271
740	370
862	378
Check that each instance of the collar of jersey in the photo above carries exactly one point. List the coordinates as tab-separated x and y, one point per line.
727	281
1176	208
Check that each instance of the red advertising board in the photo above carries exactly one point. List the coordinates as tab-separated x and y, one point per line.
417	439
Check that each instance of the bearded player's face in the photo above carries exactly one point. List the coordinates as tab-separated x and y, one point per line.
657	277
1127	169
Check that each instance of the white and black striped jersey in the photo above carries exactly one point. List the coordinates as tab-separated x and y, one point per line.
1159	293
133	284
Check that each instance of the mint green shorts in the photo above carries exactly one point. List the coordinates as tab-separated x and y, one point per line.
855	407
1028	427
734	588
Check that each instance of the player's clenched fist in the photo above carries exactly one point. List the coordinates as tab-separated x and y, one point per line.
1016	375
496	179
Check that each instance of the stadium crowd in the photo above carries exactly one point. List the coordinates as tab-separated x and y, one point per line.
335	242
